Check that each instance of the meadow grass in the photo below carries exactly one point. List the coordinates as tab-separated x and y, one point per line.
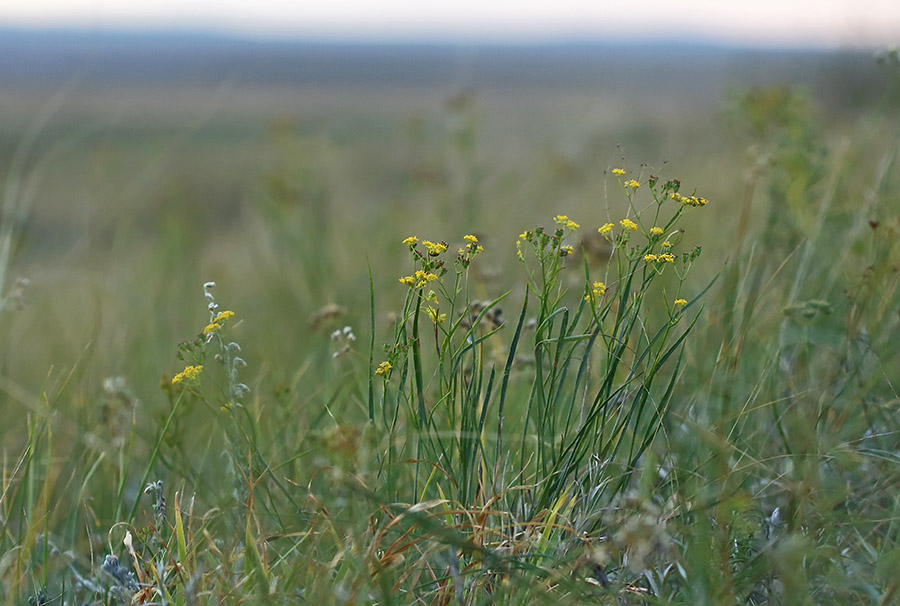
442	412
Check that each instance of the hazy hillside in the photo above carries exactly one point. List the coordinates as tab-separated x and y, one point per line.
672	67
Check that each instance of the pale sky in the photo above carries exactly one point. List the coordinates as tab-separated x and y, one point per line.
765	22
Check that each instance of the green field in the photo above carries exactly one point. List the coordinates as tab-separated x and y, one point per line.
696	404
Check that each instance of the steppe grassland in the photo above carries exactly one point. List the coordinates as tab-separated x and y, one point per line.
767	472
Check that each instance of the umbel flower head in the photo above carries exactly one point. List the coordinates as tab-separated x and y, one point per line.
188	374
628	224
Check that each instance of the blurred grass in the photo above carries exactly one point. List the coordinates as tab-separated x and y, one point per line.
773	480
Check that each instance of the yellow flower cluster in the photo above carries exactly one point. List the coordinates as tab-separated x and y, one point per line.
598	289
662	258
618	171
565	251
605	229
680	302
566	221
632	184
419	279
656	231
436	317
628	224
189	373
434	248
465	254
522	237
383	369
411	241
689	200
217	323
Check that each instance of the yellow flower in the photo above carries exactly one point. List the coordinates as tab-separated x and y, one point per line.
605	229
223	315
565	220
211	328
680	302
689	201
519	250
598	289
470	239
523	235
632	184
618	171
436	317
434	248
667	258
656	231
651	258
189	373
666	244
566	250
420	279
383	368
411	241
628	224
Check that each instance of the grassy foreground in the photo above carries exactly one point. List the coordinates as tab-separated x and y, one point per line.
660	400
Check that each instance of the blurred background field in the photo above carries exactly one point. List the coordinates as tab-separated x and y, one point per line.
277	169
138	168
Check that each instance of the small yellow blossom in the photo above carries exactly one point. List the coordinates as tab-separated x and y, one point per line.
566	250
689	200
618	171
470	239
565	220
519	250
223	315
667	258
632	184
628	224
605	229
680	302
383	368
436	317
598	289
189	373
666	244
523	235
656	231
419	279
434	248
411	241
211	328
422	278
651	258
